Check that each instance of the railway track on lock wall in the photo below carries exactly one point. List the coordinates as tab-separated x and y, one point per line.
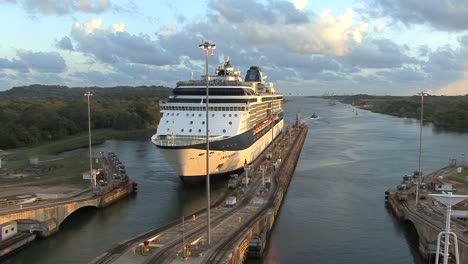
116	251
280	186
169	252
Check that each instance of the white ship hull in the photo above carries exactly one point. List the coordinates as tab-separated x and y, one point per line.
190	163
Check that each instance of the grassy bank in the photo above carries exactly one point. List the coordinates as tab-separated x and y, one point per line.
52	167
73	142
59	171
448	112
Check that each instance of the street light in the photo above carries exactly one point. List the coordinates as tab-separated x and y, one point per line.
263	169
422	94
207	47
448	200
89	94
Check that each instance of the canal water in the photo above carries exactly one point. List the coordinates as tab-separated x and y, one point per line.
334	211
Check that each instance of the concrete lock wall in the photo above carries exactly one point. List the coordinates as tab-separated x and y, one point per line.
427	233
46	219
265	222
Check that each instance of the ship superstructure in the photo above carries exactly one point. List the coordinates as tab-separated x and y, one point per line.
245	115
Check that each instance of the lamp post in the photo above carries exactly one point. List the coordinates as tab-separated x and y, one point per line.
207	47
463	160
89	94
448	200
422	94
263	169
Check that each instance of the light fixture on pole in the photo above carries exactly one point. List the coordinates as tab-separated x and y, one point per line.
89	94
422	94
448	200
209	49
263	169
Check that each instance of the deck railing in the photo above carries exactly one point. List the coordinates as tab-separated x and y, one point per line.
182	140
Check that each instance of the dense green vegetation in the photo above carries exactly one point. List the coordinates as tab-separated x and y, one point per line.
35	114
442	111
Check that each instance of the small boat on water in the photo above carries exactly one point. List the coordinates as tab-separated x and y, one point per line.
314	116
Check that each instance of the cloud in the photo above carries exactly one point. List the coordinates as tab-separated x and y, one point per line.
459	87
380	27
44	62
404	74
378	53
16	65
117	46
50	62
449	65
449	15
294	47
267	24
65	43
300	4
117	28
64	7
444	65
88	27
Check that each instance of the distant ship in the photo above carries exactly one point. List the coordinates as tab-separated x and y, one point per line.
245	116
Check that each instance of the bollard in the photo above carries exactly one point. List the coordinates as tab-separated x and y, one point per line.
194	217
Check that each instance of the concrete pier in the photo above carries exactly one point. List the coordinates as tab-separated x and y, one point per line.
428	217
233	227
44	217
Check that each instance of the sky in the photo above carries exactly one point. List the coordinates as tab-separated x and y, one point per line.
305	47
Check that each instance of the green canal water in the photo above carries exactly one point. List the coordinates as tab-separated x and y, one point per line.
334	211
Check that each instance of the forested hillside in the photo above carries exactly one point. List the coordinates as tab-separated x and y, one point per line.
38	113
442	111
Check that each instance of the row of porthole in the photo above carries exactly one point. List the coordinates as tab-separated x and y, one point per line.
190	130
212	115
203	122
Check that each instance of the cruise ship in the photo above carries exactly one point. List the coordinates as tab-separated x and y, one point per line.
245	116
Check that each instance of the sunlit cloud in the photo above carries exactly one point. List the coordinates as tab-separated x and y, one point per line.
117	28
300	4
380	27
459	87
